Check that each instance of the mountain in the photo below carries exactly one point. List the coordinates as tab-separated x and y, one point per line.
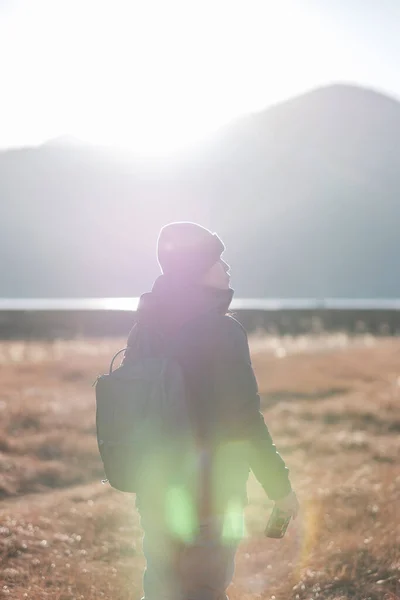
305	195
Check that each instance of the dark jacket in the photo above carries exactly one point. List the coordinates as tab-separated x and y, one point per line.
222	392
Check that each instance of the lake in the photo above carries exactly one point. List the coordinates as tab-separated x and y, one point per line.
267	304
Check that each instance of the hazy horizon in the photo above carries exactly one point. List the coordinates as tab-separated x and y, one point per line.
68	138
156	77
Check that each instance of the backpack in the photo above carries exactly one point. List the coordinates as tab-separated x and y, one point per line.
142	420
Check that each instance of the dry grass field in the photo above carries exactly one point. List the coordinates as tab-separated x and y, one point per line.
332	405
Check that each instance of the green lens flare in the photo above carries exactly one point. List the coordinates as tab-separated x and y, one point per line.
181	514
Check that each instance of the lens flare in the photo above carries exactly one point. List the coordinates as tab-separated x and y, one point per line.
180	513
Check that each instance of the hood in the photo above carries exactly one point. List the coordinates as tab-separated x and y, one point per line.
172	303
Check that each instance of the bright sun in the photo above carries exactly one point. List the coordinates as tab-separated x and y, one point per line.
153	76
173	71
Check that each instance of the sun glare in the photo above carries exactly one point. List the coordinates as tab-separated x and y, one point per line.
152	76
170	75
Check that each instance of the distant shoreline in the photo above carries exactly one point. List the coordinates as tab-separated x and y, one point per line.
258	304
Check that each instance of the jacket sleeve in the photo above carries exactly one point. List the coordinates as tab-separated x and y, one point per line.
236	393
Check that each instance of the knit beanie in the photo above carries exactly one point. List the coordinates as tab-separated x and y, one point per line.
187	249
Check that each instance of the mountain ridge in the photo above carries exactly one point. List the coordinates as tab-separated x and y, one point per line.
305	195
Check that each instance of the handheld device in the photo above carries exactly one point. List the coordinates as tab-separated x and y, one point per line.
278	523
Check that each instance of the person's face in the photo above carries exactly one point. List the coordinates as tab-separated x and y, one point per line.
218	276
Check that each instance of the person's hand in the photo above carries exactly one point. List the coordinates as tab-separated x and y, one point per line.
289	504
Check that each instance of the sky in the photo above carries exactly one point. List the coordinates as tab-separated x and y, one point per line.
156	75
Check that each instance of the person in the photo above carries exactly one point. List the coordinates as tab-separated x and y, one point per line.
191	535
